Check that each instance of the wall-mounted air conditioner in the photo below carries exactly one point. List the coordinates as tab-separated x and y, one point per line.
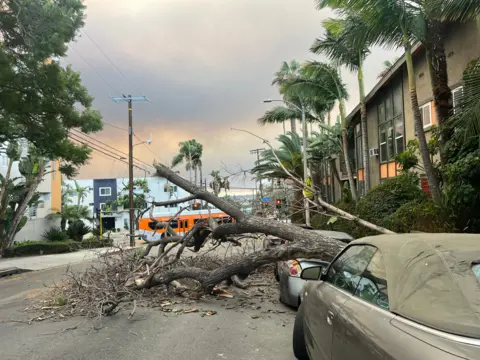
374	152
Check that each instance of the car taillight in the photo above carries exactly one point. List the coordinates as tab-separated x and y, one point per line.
294	268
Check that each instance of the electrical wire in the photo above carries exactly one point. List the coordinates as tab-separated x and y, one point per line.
96	72
104	151
91	138
107	58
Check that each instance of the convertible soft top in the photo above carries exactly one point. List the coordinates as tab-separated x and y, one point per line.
430	279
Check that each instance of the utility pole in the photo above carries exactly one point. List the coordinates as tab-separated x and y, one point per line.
258	151
129	99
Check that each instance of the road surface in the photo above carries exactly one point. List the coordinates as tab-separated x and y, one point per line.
245	333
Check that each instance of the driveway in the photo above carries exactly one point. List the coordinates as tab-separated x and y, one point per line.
259	330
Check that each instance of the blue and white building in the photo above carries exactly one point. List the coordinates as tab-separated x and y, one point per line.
104	190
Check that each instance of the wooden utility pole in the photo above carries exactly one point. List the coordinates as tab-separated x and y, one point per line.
131	202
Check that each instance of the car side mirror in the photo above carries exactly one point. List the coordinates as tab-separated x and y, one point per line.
311	273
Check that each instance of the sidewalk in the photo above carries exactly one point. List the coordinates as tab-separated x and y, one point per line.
42	262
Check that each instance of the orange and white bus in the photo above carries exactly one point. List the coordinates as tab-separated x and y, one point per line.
181	224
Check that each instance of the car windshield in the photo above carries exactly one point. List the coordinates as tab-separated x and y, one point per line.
476	270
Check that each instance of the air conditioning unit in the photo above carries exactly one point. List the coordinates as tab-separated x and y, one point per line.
374	152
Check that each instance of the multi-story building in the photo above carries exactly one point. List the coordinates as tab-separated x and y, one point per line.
50	190
104	190
389	112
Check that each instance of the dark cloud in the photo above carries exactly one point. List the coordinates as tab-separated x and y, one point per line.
206	65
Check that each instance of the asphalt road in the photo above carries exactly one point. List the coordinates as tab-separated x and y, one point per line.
150	334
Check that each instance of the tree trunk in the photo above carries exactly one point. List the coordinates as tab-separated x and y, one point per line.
293	126
20	212
348	165
442	94
427	162
333	166
195	171
363	122
4	199
63	223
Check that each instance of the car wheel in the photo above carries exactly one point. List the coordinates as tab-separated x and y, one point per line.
299	347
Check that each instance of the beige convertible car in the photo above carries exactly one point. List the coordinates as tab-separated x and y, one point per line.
393	297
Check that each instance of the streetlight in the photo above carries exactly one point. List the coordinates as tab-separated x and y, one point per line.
304	150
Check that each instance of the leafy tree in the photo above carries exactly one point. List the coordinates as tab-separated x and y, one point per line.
191	154
140	193
37	95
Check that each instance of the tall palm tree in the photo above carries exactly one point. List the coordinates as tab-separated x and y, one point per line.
394	23
288	72
190	153
339	48
323	80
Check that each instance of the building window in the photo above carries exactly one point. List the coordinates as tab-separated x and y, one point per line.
457	95
4	160
103	206
32	211
399	137
105	191
391	126
426	113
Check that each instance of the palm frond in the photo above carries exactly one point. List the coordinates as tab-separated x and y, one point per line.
467	112
453	10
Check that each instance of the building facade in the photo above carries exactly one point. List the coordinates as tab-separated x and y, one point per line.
390	122
101	191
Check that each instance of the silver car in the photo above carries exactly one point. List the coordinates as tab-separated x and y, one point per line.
288	272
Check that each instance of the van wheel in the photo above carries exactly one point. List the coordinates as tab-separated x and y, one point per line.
299	347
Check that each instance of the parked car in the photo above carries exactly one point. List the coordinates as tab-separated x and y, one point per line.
287	273
393	297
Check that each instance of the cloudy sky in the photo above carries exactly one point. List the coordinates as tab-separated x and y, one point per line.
206	66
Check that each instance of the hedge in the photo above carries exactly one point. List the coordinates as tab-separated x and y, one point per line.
93	243
41	248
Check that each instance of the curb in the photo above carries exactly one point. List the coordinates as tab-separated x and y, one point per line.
12	271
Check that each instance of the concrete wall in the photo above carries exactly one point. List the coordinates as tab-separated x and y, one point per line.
35	228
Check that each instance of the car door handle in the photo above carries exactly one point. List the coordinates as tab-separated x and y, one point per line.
330	316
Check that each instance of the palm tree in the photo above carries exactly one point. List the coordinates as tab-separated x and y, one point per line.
393	23
290	155
190	153
387	65
288	72
218	182
322	80
81	191
342	51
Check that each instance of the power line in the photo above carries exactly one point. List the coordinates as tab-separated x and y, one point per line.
91	138
107	57
96	72
103	151
115	126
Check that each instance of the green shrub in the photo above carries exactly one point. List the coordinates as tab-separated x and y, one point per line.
41	248
384	199
77	229
420	215
55	233
94	242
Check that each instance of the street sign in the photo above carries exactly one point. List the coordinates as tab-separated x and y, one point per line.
265	199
